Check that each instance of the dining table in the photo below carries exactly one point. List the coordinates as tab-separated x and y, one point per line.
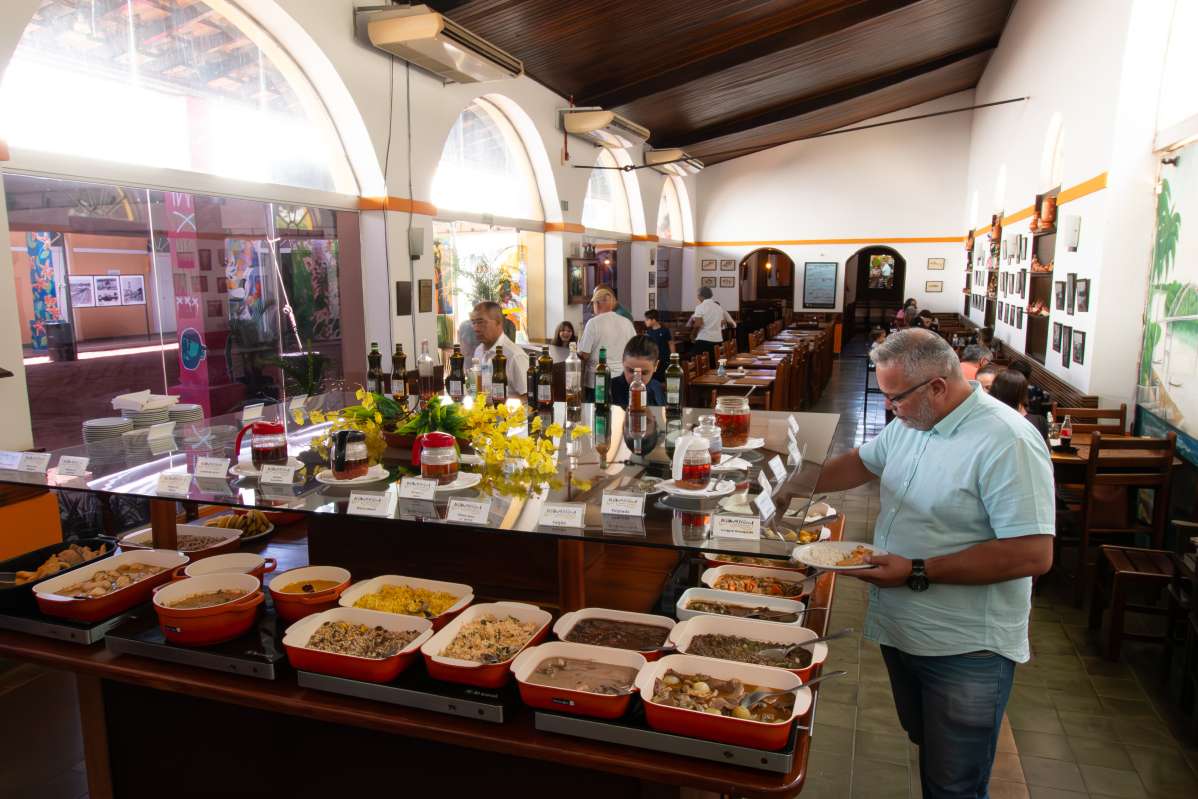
760	381
1070	467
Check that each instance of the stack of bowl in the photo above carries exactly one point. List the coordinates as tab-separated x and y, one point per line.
148	417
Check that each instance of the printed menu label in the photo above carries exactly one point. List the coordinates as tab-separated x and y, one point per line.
370	503
764	482
563	514
174	483
35	462
792	425
795	459
745	527
417	488
9	460
469	511
251	412
212	467
277	474
623	504
778	468
72	466
765	505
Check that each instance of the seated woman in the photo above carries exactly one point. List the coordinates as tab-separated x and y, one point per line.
907	313
987	374
1010	387
639	353
928	321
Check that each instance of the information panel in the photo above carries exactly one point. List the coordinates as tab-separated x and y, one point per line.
819	284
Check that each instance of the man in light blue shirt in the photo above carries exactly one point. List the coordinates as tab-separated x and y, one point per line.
967	519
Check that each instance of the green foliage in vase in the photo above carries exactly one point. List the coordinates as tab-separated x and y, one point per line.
436	416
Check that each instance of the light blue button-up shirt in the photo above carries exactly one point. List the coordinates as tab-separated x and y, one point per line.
982	472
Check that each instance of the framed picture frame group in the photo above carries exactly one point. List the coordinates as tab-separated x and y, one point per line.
727	266
1079	347
727	282
707	265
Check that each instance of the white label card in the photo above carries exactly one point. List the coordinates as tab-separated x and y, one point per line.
297	403
765	506
212	467
10	460
417	488
469	511
623	504
563	514
745	527
251	412
160	432
792	438
174	483
35	462
792	425
72	466
371	503
795	459
778	468
764	482
276	474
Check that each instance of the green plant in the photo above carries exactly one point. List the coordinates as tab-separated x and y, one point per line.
302	373
1168	229
436	416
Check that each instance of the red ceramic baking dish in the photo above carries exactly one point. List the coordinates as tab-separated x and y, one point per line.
710	577
232	563
295	606
53	598
352	667
469	672
144	539
567	621
463	592
716	559
753	629
576	702
216	623
725	729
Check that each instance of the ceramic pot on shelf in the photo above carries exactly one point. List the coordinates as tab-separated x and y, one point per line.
1048	211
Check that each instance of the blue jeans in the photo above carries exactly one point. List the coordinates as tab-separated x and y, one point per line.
951	708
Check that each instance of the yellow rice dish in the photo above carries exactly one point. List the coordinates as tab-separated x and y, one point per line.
408	601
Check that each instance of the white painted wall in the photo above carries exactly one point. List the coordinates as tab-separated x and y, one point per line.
898	182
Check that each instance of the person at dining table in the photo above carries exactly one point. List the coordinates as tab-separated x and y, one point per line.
1010	386
973	358
986	375
967	518
639	353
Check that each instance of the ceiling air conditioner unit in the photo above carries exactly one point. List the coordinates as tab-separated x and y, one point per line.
672	161
604	128
435	43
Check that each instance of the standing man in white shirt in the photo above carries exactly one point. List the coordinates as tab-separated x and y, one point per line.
487	321
708	319
606	329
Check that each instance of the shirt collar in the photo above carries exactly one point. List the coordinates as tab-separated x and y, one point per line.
500	342
949	424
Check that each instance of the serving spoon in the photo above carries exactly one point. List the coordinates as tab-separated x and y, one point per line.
783	652
756	697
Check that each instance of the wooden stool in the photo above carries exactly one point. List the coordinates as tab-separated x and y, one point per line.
1129	568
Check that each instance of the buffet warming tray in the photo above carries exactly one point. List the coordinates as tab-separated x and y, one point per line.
29	620
415	689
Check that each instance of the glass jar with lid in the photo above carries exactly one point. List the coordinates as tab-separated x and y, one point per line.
715	441
439	458
695	472
348	457
732	416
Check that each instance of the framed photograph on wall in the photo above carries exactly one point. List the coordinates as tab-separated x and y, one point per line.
709	282
1083	298
820	280
727	266
1079	346
108	291
707	265
934	286
652	304
1059	294
83	291
576	281
1066	344
935	264
1023	283
1019	318
1002	281
727	282
1070	292
133	290
1056	336
652	278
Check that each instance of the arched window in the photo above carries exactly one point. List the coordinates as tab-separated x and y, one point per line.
669	214
174	84
606	204
484	167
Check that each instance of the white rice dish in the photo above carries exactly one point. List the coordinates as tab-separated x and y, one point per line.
816	555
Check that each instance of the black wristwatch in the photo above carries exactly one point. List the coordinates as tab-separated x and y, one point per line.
918	581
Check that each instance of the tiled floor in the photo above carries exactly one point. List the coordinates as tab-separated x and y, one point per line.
1076	725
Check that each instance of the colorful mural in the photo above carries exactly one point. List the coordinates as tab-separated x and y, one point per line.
315	292
38	245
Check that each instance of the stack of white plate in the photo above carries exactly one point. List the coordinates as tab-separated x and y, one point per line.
147	418
137	445
185	413
103	437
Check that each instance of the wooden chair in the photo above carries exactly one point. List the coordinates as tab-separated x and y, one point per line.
1130	464
1124	571
1091	420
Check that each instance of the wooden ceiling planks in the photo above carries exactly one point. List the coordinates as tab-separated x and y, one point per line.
739	75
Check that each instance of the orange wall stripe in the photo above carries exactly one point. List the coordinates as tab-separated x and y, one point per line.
878	240
647	237
400	204
1096	183
564	227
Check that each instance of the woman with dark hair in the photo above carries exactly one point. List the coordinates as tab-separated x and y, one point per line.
928	321
1010	387
907	313
559	345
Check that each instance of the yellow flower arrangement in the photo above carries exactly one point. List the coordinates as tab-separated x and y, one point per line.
514	463
365	417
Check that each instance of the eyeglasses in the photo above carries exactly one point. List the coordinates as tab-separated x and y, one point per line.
895	399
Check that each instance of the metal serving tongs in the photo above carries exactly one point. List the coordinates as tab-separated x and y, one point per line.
783	652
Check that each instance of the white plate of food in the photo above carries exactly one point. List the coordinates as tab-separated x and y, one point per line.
248	469
752	443
836	555
730	465
375	474
464	480
715	488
